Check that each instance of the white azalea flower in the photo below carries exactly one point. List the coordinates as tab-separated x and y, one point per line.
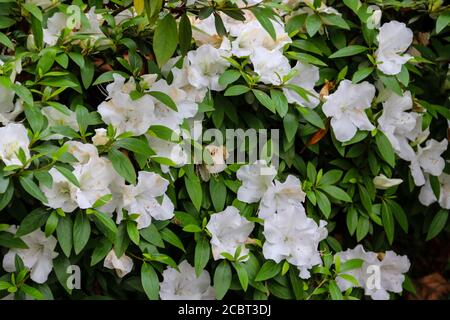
170	150
206	64
57	118
252	37
218	155
373	22
393	40
60	195
346	108
256	179
55	24
122	265
389	267
8	109
392	269
14	136
281	196
100	138
399	126
165	116
306	78
94	177
292	236
124	113
427	196
271	66
229	232
428	160
38	257
142	199
204	31
83	152
360	274
382	182
44	4
184	284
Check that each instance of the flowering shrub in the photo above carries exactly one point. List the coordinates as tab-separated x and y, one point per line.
116	180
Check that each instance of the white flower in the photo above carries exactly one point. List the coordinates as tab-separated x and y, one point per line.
44	4
346	109
169	150
94	178
14	136
373	22
125	114
281	196
55	24
291	235
204	31
206	64
142	199
378	275
427	196
428	160
184	284
252	37
392	269
229	232
256	179
38	257
83	152
399	126
306	77
8	109
57	118
165	116
360	274
393	40
100	138
271	66
60	195
382	182
122	265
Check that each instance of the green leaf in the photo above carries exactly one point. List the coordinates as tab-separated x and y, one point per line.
170	237
60	266
296	283
323	203
33	292
335	292
362	228
51	224
194	190
228	77
122	165
242	274
313	117
352	219
437	224
391	83
68	175
32	221
218	192
268	270
290	124
399	215
23	92
106	224
34	117
280	102
351	265
388	221
336	192
442	21
7	240
5	41
31	187
385	148
263	18
150	281
307	58
100	251
361	74
133	232
33	9
184	34
135	145
201	257
264	99
81	232
331	177
236	90
313	24
108	77
121	241
64	234
165	39
335	20
164	98
348	51
151	234
222	279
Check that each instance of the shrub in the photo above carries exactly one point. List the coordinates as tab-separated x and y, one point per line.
116	180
